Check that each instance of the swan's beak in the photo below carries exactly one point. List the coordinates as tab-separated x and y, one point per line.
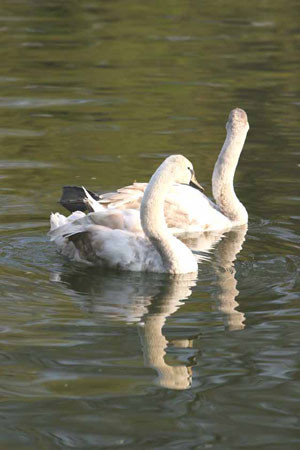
195	184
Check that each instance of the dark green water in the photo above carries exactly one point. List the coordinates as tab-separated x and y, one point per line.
96	94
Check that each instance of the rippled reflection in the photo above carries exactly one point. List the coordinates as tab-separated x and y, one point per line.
153	340
145	299
226	248
149	299
225	256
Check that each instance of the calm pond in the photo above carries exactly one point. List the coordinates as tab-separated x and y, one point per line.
97	94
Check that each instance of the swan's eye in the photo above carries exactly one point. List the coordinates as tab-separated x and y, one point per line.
191	170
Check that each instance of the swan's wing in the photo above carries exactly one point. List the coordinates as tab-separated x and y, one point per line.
114	219
126	197
189	210
102	246
118	219
186	208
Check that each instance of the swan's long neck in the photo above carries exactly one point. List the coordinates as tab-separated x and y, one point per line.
223	174
176	257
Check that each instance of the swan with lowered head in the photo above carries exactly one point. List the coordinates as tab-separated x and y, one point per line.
84	238
187	209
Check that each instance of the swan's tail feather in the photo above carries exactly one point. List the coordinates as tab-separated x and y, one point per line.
125	197
58	222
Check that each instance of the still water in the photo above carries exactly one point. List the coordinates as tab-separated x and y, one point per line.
97	94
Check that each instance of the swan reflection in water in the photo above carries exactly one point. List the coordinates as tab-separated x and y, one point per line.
228	247
149	299
225	255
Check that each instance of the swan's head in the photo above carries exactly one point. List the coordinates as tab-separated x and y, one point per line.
181	170
237	121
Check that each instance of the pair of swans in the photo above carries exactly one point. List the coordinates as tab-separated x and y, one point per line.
110	236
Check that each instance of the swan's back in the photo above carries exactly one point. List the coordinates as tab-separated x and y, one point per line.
186	209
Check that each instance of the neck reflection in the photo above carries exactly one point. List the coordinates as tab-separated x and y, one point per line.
148	300
155	343
225	255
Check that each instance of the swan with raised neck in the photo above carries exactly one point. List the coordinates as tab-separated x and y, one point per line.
237	127
186	209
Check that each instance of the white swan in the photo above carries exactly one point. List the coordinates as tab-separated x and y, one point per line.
84	238
187	209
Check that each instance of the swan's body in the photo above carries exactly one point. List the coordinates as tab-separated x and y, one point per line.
89	238
187	209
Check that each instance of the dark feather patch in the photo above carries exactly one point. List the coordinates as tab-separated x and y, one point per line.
82	242
72	198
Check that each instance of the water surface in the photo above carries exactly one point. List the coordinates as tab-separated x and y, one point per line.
97	94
